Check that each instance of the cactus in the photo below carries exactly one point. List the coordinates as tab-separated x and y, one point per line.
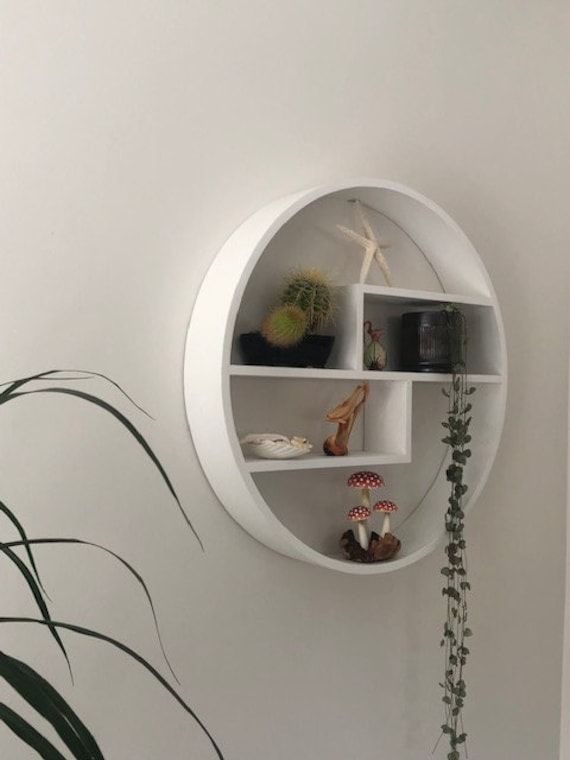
285	326
311	291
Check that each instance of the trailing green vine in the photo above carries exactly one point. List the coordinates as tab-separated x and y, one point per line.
456	588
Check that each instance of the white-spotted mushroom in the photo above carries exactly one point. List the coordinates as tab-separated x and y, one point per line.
366	481
387	508
360	515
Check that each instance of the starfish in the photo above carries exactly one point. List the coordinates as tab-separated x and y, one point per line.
371	245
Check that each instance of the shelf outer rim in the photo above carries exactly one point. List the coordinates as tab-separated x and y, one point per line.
207	376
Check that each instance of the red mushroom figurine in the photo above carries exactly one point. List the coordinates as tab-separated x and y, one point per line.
387	507
360	515
366	481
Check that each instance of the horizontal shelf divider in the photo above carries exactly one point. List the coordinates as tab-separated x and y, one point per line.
309	373
419	296
324	462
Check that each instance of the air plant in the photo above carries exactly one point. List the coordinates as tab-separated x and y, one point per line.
40	695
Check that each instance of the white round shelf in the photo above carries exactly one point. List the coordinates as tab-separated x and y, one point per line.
298	506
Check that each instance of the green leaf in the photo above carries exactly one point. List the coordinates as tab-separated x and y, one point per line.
37	594
46	701
16	523
130	568
28	734
90	398
131	653
58	374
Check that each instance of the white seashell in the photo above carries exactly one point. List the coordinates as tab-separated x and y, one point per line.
276	446
254	438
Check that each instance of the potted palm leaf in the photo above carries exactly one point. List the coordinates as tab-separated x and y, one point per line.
46	702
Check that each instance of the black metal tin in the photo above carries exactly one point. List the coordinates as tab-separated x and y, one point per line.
432	341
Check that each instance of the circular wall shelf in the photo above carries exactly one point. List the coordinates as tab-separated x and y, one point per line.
298	507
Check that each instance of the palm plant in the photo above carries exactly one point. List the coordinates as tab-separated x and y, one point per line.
40	695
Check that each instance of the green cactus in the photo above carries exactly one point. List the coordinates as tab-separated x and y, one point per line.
312	291
285	326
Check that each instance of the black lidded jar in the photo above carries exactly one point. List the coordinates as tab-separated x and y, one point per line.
432	341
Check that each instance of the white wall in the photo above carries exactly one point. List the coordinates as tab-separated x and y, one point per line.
565	702
135	135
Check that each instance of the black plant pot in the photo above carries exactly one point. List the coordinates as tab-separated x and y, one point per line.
312	351
432	341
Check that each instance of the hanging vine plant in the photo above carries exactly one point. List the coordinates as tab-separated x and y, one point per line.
456	588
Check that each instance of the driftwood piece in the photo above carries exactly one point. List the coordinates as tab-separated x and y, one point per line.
345	415
385	548
379	550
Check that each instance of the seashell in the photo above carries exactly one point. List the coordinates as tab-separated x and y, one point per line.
276	446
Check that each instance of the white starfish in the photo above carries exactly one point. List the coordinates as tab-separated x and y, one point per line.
371	245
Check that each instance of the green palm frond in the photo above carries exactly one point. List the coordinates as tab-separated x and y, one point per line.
38	597
40	695
28	734
78	374
48	703
133	655
13	393
130	568
19	527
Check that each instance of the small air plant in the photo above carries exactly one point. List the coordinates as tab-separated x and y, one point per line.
44	699
455	629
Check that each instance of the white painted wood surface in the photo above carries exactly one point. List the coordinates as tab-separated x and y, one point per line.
297	507
565	700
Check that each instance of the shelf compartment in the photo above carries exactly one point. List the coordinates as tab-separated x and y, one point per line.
385	311
382	433
348	316
314	506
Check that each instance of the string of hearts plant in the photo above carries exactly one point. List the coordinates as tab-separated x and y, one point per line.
45	701
456	588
